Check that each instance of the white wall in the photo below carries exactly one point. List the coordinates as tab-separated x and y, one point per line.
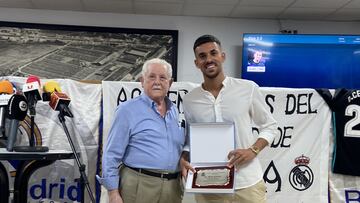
228	30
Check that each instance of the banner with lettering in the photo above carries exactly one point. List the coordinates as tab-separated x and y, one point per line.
58	182
295	165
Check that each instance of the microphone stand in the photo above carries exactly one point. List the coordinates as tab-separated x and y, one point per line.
2	122
83	178
3	137
31	147
32	124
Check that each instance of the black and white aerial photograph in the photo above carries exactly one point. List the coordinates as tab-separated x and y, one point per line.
81	52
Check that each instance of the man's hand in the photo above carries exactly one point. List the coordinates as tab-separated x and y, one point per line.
238	157
185	164
114	196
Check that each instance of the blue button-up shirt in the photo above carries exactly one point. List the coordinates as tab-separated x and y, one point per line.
140	137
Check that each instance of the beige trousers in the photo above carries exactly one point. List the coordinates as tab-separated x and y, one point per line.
253	194
140	188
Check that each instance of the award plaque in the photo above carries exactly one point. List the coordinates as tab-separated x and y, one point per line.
213	177
210	144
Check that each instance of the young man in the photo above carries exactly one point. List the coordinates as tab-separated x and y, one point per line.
257	59
147	140
226	99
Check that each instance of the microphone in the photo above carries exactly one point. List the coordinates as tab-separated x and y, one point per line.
6	87
60	102
50	87
16	112
32	91
6	90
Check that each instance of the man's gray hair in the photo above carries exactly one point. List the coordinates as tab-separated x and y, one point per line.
145	67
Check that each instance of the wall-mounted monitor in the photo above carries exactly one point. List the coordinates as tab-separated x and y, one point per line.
302	61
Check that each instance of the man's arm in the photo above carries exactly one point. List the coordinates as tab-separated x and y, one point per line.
114	150
185	164
262	117
114	196
267	131
185	156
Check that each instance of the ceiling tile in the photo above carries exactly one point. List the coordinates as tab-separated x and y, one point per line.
262	3
154	8
256	12
219	2
207	10
161	1
270	9
16	4
309	13
346	14
58	5
114	6
353	4
320	3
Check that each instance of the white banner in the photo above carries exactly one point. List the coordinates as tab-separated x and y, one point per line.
295	166
296	163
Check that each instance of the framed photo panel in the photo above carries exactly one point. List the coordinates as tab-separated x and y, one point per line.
82	52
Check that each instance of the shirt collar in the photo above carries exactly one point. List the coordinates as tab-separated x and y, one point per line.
151	102
225	81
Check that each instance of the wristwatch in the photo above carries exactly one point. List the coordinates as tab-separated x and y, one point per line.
255	149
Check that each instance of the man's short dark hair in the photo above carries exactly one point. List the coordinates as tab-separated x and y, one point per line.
205	39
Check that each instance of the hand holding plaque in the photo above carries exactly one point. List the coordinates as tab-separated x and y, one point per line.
210	144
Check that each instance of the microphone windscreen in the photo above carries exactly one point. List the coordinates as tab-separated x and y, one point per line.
51	86
6	87
33	78
60	102
57	98
17	107
32	90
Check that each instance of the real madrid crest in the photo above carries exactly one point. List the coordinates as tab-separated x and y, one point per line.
301	176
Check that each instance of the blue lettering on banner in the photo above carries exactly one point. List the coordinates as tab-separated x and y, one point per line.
55	190
352	196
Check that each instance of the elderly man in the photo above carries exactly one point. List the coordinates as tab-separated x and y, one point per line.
146	141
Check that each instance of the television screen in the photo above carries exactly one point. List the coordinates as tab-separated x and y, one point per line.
302	61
